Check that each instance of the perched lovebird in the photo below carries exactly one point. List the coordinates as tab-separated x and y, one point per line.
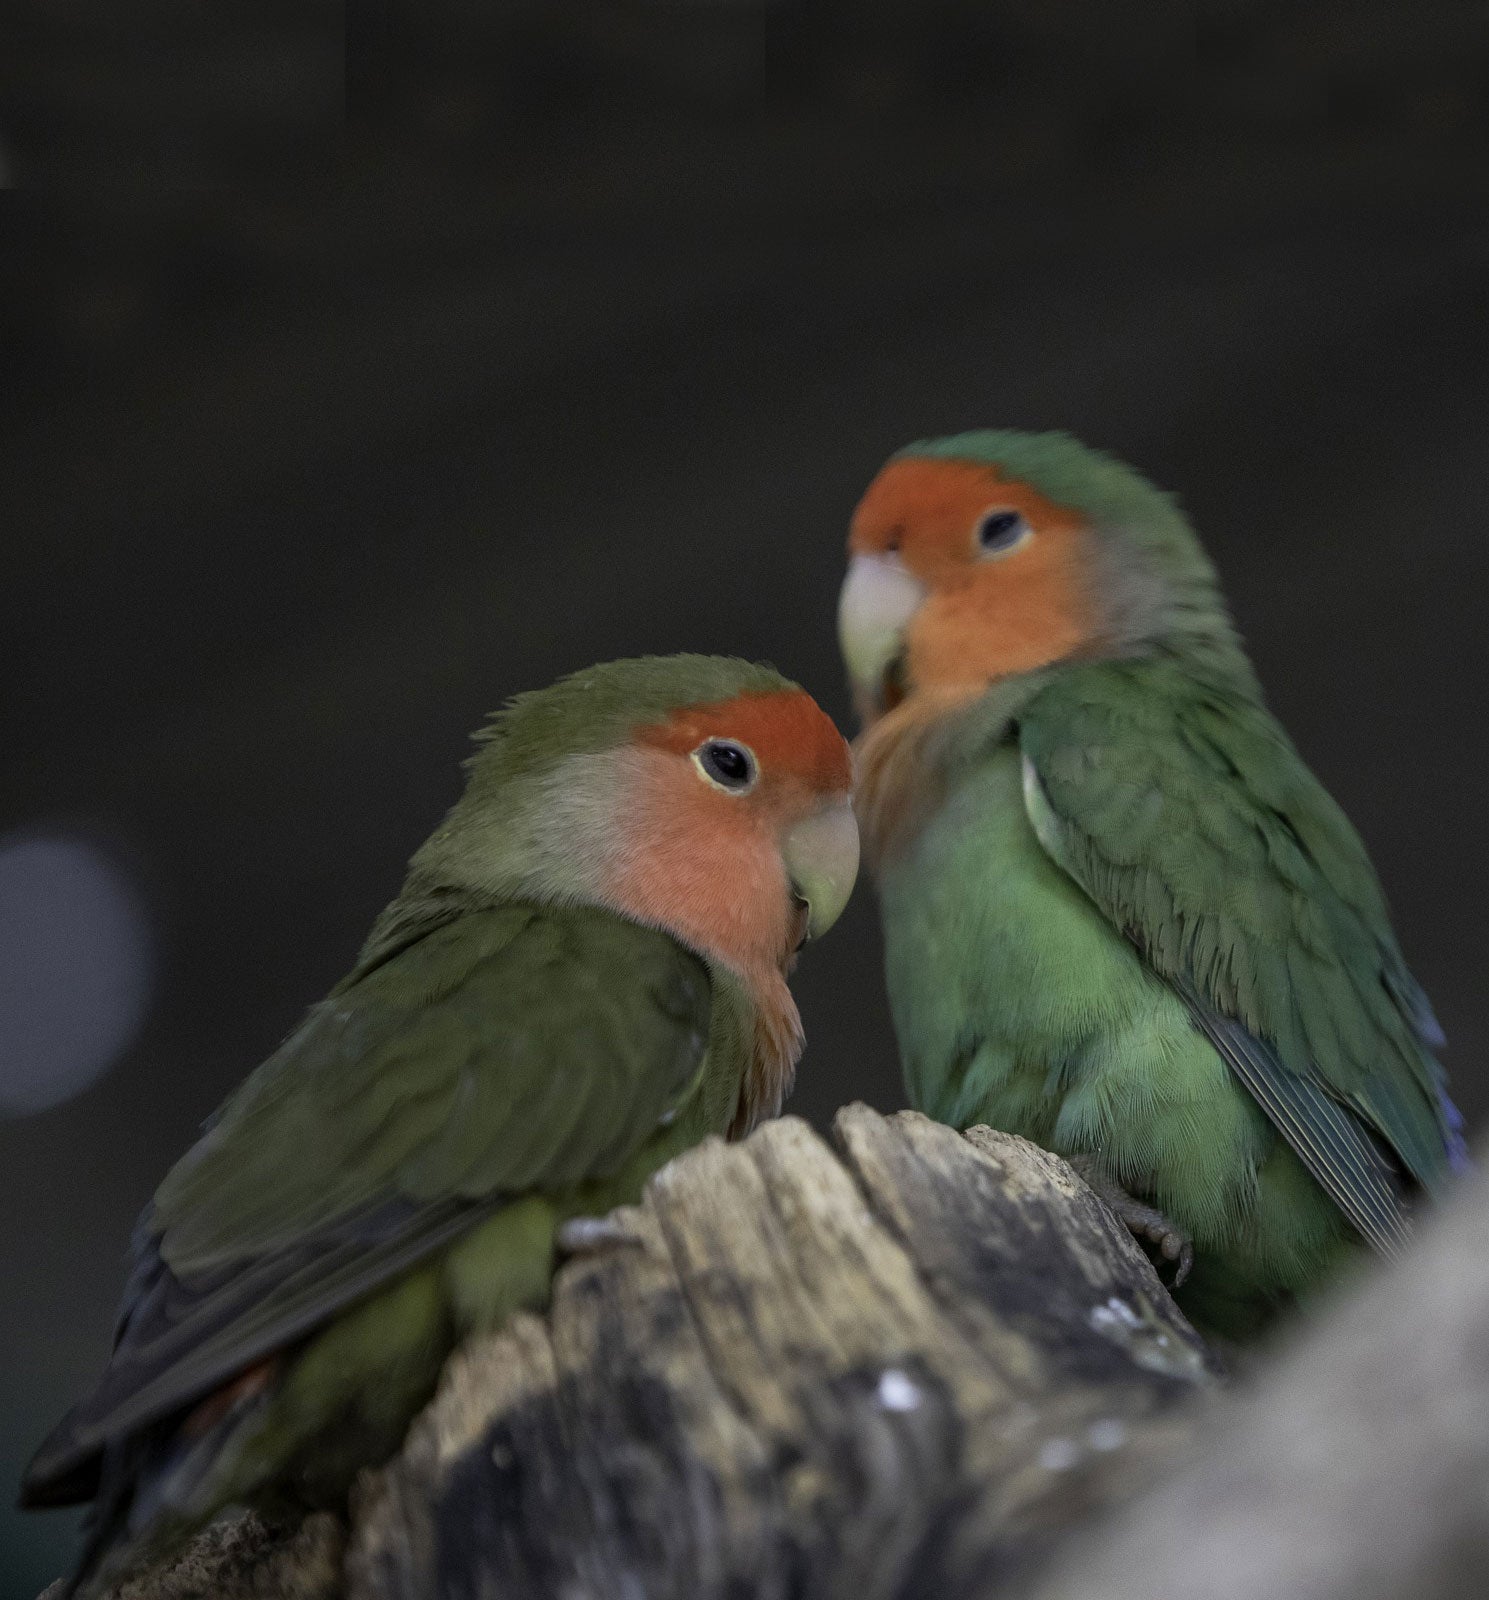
1121	916
583	974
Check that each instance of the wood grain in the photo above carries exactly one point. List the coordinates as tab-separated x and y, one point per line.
901	1366
913	1363
904	1363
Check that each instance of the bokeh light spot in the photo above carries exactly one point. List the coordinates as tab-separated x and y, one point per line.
76	968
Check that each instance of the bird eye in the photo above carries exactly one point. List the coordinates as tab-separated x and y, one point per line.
727	763
1001	530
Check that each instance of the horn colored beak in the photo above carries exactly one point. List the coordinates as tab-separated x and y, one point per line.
821	856
877	601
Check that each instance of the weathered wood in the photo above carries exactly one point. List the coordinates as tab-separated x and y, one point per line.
914	1366
903	1366
245	1559
1357	1468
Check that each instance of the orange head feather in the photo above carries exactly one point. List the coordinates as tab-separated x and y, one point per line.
960	575
740	870
988	557
705	796
708	862
990	610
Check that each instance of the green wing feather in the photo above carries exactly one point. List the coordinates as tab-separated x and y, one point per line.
1182	810
505	1051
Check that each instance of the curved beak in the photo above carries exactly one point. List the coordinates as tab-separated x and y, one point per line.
877	601
821	856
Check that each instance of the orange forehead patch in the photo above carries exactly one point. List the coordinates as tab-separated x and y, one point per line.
926	509
788	731
984	618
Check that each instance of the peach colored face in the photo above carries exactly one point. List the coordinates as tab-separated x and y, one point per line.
958	575
738	827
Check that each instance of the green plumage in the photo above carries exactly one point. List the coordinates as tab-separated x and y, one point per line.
391	1179
1137	926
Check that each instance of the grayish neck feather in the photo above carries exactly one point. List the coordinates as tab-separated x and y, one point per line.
1160	596
549	837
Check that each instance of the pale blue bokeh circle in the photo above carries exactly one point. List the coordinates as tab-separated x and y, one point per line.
76	967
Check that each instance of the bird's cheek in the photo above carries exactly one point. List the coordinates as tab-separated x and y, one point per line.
948	638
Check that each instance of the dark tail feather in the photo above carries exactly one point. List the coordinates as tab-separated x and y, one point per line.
107	1524
155	1490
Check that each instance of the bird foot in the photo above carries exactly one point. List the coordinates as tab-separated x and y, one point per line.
592	1236
1142	1220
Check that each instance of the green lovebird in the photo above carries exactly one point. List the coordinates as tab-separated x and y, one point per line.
583	974
1121	916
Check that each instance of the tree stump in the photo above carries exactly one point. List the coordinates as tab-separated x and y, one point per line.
903	1367
902	1364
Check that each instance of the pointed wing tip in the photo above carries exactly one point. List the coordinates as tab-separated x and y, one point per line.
1388	1231
1331	1141
69	1481
64	1469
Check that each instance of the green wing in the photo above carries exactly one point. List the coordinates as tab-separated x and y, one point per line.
1184	812
505	1051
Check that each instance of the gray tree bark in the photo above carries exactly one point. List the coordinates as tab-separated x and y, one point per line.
1354	1468
911	1363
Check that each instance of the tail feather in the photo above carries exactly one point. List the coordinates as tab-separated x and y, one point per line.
159	1486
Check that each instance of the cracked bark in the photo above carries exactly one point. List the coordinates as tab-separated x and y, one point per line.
899	1369
912	1363
903	1363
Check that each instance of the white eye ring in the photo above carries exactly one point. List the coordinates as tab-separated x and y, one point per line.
1001	530
727	764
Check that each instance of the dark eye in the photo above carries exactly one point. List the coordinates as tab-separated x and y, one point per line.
1002	529
726	763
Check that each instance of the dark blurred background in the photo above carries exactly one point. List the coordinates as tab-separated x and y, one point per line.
577	337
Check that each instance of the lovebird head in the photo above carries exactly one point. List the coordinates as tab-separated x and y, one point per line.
990	555
705	796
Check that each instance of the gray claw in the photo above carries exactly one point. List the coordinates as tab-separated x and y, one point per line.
1142	1220
592	1236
